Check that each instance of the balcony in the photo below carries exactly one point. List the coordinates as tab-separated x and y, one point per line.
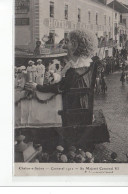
52	49
42	51
121	24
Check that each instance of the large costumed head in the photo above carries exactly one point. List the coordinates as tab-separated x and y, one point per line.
82	43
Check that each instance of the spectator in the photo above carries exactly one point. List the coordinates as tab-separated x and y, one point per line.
40	72
122	79
124	53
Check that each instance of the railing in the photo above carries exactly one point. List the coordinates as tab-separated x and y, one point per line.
21	51
52	49
47	49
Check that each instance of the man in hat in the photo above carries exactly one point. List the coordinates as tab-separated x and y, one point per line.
40	72
31	71
20	76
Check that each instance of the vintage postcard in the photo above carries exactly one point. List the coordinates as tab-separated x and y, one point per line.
71	87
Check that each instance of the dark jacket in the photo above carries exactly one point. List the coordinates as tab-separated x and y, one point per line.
71	80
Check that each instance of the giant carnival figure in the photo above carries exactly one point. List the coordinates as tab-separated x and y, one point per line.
76	84
81	46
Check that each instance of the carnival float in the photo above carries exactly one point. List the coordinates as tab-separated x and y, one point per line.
47	119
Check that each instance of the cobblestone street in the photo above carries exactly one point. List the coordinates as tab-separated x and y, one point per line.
115	108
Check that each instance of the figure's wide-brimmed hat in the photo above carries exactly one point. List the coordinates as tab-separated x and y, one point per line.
39	60
30	62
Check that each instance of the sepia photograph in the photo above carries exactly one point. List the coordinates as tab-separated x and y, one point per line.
70	86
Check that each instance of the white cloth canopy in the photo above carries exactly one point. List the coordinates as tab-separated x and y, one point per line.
33	113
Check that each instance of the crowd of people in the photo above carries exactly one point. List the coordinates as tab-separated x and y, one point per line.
38	73
108	65
75	155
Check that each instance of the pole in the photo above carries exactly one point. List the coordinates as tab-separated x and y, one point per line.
113	26
113	19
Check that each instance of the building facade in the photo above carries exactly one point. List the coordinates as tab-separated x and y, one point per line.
121	24
36	19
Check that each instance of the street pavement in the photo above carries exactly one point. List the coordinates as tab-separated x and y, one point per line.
115	108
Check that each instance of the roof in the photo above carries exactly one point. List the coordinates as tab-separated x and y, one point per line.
100	1
118	6
125	5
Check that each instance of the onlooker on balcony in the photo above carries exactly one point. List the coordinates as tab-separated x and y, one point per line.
38	48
